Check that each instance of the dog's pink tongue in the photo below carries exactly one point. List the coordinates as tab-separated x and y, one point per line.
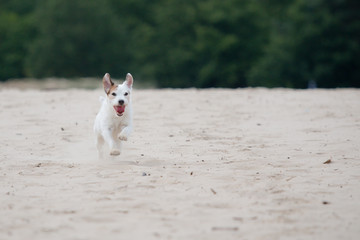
119	109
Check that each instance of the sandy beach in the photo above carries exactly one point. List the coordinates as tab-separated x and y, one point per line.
200	164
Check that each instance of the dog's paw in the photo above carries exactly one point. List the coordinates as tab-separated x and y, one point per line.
115	152
123	137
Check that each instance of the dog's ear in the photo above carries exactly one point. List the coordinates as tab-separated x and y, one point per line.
107	83
129	80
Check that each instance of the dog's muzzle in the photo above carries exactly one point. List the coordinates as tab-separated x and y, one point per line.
119	110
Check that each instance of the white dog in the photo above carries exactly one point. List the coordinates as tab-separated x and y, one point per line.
113	123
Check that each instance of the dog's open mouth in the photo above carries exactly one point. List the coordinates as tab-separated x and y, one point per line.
119	110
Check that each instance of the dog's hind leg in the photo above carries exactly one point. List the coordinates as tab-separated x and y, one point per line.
99	145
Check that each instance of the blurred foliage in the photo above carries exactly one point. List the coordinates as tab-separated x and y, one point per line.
182	43
315	40
76	38
16	33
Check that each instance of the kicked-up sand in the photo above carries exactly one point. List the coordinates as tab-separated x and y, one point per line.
200	164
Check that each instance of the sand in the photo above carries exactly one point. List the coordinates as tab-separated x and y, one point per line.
200	164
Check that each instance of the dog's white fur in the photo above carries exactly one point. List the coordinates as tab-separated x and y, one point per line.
113	123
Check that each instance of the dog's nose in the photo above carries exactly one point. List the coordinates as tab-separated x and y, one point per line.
121	102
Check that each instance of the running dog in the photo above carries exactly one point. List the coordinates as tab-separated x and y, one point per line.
113	123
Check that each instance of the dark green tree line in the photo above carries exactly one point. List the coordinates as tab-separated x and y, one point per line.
316	40
179	43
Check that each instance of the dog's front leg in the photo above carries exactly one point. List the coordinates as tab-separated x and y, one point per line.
125	133
108	137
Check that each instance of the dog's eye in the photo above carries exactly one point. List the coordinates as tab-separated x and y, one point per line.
114	94
125	94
